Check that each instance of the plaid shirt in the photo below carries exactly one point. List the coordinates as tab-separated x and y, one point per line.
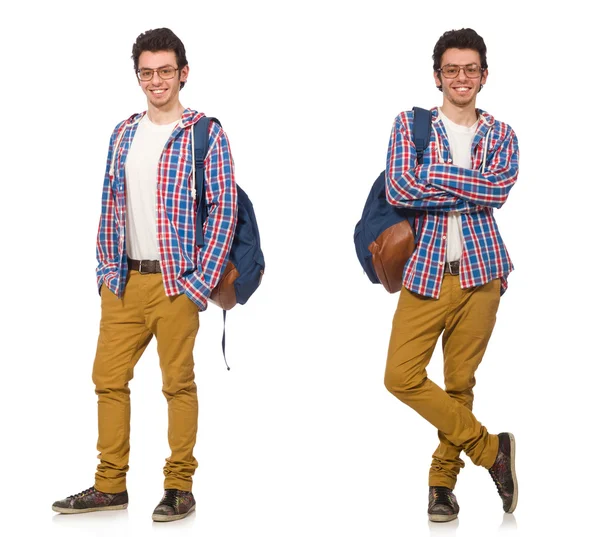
185	267
437	187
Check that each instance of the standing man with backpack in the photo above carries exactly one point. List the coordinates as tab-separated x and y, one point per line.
152	277
453	281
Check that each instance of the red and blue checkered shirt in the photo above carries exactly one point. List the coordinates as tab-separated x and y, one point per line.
185	267
437	187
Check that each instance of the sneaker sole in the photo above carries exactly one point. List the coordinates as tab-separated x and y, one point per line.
442	518
169	518
513	472
72	511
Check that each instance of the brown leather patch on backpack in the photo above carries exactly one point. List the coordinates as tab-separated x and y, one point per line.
223	295
390	251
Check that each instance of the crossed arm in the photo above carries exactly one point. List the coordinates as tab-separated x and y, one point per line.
440	187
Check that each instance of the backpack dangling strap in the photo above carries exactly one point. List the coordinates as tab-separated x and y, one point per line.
223	340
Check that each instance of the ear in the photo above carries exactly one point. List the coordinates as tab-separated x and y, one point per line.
437	80
484	77
184	73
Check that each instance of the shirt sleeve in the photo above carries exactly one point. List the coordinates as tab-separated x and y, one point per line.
489	188
221	200
107	240
406	182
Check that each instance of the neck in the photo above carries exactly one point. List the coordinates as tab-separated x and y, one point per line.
165	115
461	115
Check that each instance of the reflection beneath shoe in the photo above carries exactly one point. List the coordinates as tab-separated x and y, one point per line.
99	519
509	522
447	529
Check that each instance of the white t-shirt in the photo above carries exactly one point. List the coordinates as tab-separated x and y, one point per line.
141	172
461	140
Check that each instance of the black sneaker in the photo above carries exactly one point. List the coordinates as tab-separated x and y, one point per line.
503	472
91	500
175	504
443	506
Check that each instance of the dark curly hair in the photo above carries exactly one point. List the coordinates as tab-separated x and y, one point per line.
465	38
155	41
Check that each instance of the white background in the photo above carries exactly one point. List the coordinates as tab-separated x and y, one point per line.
300	438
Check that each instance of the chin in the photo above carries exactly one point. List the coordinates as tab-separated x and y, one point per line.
158	104
462	101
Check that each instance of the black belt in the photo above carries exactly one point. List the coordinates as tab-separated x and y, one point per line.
452	267
145	266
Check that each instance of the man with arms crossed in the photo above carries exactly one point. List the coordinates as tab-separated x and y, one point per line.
152	277
454	279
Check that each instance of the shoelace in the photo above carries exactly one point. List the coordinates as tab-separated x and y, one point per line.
82	493
496	479
170	498
442	495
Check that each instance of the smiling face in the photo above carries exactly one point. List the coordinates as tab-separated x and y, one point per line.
161	94
462	90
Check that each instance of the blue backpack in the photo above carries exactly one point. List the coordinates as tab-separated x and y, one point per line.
384	237
246	263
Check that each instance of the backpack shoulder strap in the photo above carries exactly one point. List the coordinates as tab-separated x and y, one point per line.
201	130
421	131
200	138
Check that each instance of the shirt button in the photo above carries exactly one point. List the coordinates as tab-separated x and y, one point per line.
441	263
444	237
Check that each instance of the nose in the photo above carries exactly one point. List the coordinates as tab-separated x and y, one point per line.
156	80
462	73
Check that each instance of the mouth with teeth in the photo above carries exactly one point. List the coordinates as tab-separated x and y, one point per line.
461	89
157	91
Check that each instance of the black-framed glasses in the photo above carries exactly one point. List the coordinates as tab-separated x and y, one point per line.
166	73
471	71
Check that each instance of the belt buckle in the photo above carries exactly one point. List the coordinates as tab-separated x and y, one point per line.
449	265
140	268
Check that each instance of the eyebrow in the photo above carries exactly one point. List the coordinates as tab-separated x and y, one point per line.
161	67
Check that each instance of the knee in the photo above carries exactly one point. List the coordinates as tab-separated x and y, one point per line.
175	386
400	381
107	381
389	381
458	383
99	377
